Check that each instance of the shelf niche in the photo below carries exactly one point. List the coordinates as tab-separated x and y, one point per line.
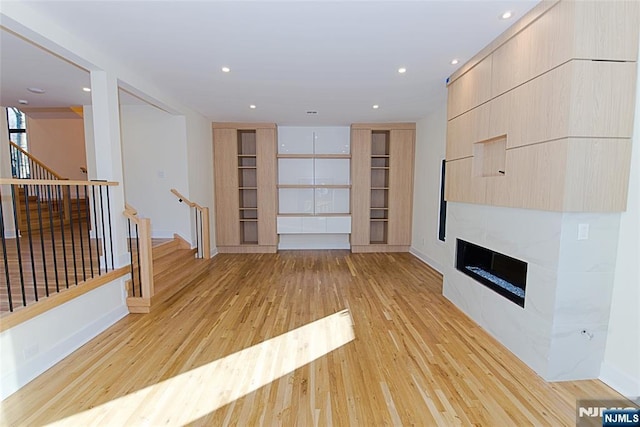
378	214
489	157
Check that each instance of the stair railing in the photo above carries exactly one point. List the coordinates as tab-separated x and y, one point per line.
49	253
141	287
201	213
25	165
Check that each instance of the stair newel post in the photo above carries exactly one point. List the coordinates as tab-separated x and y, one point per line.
206	239
146	258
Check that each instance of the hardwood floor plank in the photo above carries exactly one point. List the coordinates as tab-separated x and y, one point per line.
415	358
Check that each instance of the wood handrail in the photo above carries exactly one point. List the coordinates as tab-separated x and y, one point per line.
67	182
130	212
204	214
185	200
36	161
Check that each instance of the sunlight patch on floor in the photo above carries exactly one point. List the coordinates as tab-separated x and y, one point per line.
191	395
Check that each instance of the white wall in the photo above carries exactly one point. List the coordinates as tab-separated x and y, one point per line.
621	366
430	150
32	347
200	158
155	161
59	144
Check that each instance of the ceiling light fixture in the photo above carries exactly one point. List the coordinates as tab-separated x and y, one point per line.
402	70
86	89
454	61
36	90
23	101
253	107
375	106
506	15
225	69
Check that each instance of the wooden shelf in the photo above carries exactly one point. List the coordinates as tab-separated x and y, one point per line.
345	186
314	156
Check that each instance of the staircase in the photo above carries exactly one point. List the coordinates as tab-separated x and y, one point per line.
35	215
174	266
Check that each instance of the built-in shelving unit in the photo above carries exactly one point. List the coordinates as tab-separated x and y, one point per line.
248	187
314	186
245	186
382	171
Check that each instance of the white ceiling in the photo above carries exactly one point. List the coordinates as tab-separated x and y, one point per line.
334	57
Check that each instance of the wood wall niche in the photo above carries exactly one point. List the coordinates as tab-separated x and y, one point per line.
382	158
559	88
245	187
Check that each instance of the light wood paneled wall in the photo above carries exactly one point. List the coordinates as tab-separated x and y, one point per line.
401	159
567	73
360	185
225	155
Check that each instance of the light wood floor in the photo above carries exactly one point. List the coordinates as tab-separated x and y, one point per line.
415	359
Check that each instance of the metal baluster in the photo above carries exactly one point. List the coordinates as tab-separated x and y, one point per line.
73	238
84	273
95	230
64	246
30	233
88	210
17	228
138	255
133	280
44	253
53	238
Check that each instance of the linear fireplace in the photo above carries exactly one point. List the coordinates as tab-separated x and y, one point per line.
501	273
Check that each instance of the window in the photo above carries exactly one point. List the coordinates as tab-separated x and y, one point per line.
17	123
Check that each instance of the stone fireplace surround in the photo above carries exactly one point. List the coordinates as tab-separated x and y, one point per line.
561	331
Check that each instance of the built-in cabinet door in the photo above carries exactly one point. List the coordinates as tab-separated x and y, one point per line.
400	186
267	178
225	156
360	185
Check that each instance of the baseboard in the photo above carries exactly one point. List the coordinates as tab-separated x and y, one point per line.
620	381
424	258
214	252
28	371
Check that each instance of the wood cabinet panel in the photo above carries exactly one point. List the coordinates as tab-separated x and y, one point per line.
401	159
569	30
470	90
360	185
225	152
597	175
466	129
267	177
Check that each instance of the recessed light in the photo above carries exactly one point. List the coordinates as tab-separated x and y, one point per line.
253	107
375	106
454	61
226	69
23	101
35	90
86	89
402	70
506	15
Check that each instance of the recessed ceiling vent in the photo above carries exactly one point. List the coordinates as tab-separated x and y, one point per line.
311	112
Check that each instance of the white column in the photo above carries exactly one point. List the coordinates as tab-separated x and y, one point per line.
107	152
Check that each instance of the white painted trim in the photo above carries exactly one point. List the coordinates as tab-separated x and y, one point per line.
427	260
214	252
620	381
